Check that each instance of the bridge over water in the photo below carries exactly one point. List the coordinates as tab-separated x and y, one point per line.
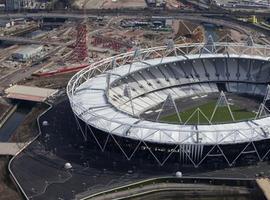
264	184
9	148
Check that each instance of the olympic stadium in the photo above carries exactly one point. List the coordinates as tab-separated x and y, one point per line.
191	104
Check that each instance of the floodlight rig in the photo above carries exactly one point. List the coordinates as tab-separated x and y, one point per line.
169	103
222	101
263	110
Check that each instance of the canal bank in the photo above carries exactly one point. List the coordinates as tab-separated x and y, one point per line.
28	129
6	115
12	119
199	188
20	126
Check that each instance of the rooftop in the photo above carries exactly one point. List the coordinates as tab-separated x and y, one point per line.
29	93
29	48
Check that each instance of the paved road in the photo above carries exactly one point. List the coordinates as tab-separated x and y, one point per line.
100	14
135	12
17	76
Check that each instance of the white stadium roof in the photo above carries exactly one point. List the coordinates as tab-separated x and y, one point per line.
89	101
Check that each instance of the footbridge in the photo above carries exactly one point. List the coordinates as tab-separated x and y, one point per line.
10	148
264	184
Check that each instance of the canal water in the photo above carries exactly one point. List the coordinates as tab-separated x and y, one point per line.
14	121
211	29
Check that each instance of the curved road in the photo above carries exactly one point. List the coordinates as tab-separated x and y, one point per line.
185	188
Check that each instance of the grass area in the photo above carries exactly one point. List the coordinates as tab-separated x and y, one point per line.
222	114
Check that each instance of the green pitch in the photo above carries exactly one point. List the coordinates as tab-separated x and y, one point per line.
222	114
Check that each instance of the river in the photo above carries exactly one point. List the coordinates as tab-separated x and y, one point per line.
211	29
14	121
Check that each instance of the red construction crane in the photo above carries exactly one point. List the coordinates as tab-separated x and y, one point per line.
80	51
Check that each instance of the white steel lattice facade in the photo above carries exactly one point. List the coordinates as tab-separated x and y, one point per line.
103	112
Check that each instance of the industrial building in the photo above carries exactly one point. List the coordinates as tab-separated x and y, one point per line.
28	52
154	24
156	3
6	23
13	4
29	93
243	4
26	4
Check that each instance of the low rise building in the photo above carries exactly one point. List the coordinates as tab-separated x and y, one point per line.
28	52
6	23
27	4
13	4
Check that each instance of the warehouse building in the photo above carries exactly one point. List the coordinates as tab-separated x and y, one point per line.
28	52
13	4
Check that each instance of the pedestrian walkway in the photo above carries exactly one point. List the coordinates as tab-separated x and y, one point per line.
264	184
8	148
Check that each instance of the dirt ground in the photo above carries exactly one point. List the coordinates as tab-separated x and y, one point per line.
124	4
8	191
231	35
188	32
53	82
90	4
3	108
237	36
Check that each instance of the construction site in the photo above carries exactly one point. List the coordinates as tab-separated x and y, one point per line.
72	46
46	53
117	4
